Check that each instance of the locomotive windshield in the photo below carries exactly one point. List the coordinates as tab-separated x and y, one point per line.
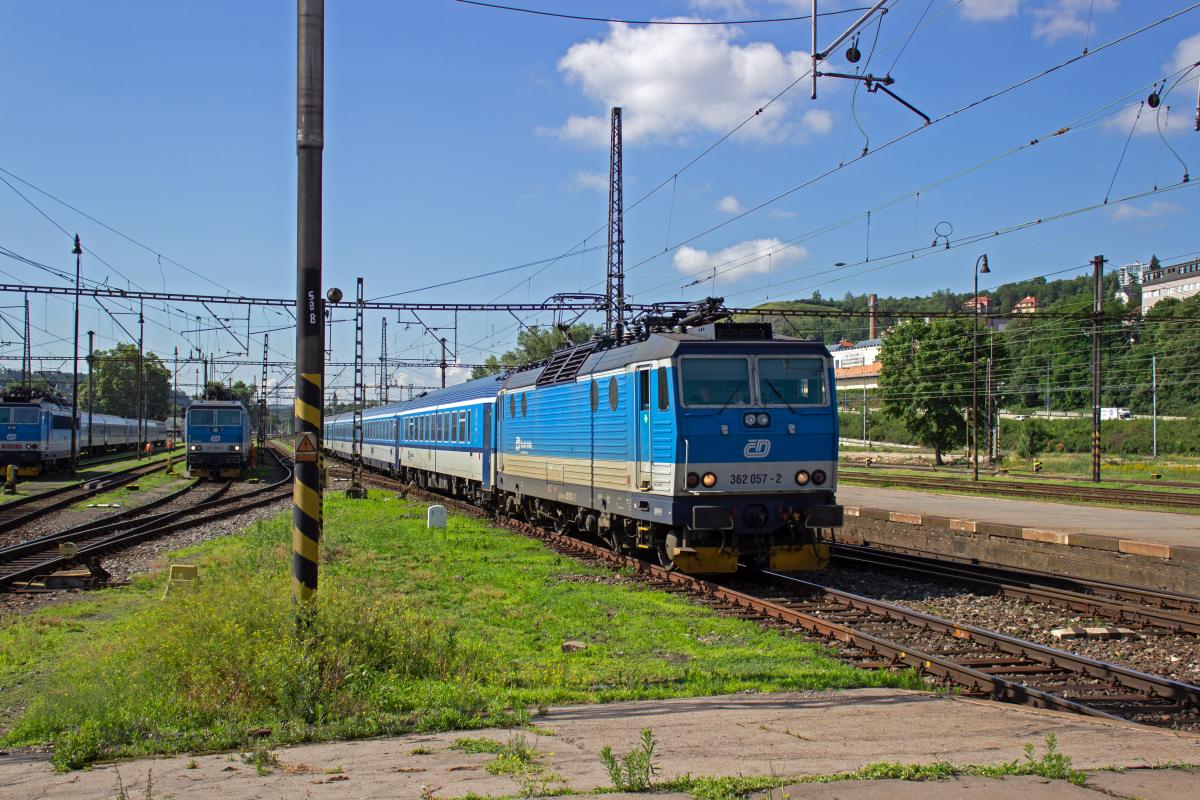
18	415
215	416
716	381
791	381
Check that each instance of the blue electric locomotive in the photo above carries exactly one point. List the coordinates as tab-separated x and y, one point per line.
218	438
36	432
705	449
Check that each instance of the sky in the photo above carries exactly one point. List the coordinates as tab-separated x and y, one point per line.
461	140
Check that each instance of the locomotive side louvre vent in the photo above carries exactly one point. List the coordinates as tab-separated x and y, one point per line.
564	365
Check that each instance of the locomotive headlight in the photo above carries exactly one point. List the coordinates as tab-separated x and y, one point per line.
763	420
749	420
32	446
818	476
193	448
709	480
693	480
802	477
235	447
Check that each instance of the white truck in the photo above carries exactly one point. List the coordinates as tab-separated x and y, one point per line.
1115	413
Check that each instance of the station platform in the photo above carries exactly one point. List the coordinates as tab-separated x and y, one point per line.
1147	548
788	736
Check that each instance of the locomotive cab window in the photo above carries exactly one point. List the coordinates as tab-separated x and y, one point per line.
643	389
202	416
791	381
715	381
25	416
664	396
229	416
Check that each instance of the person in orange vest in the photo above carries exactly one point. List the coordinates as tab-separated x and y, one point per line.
149	448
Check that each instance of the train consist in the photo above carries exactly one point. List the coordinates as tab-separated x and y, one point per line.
37	433
705	448
218	438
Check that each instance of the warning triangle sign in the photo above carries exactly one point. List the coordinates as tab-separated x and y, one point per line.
306	447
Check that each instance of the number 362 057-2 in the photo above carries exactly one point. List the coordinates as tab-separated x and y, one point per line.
754	478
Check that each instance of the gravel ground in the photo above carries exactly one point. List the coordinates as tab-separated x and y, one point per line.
1174	656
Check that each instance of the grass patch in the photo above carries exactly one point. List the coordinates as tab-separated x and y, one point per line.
414	631
133	497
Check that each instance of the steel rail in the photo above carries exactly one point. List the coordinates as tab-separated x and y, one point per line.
1155	598
1026	489
106	541
1117	610
55	499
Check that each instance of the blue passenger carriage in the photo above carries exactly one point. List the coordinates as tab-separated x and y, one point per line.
218	438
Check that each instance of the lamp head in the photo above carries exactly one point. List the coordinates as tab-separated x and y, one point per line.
334	295
983	270
77	250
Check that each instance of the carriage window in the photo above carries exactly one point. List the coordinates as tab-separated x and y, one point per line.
202	416
462	426
715	381
229	416
664	397
791	381
643	389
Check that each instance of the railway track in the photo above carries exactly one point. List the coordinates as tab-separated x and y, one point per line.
21	510
22	564
992	472
876	634
1024	489
1130	605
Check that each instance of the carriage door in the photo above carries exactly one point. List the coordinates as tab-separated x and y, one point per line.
645	459
487	447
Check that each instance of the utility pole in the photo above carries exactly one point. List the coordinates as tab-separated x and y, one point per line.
1154	404
1097	312
982	260
140	371
262	398
174	394
989	432
614	291
78	251
91	389
1047	387
310	349
27	353
864	409
383	370
356	489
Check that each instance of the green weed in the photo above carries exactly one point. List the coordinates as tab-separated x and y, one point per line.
636	770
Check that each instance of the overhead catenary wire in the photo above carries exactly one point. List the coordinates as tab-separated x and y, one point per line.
680	22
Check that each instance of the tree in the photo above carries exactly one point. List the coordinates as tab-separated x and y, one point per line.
114	375
926	380
533	345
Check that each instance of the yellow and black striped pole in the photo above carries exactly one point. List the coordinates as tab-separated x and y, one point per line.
310	309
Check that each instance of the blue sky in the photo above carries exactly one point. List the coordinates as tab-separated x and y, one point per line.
461	139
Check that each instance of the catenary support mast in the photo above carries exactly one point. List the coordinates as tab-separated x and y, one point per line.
310	345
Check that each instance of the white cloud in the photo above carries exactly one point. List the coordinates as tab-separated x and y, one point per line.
730	205
988	10
1187	52
1156	209
592	181
1061	18
675	81
752	257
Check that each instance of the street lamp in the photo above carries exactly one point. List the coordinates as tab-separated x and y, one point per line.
981	268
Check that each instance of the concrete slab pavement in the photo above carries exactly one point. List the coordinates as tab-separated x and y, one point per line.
806	733
1142	785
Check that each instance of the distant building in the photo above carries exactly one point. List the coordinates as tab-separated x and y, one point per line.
856	364
1178	281
1129	274
984	301
1026	305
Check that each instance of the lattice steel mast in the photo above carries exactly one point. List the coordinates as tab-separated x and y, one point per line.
614	292
360	398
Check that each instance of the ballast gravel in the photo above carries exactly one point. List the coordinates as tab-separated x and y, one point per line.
1175	656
